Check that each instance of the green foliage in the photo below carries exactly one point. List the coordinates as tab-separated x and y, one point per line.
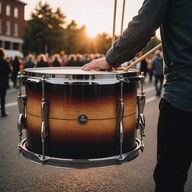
47	32
44	30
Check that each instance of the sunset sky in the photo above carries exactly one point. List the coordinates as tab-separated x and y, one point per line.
96	15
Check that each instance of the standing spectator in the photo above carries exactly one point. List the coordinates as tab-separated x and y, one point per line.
56	61
78	61
149	68
157	66
71	61
5	70
86	59
143	67
15	69
64	60
42	61
29	63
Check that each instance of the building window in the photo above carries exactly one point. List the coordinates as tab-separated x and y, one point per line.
8	28
15	29
0	26
8	10
0	7
16	13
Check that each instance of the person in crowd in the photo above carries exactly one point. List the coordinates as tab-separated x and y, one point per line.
149	68
71	61
143	66
15	69
157	66
78	61
85	59
29	63
42	62
56	61
174	138
5	70
64	60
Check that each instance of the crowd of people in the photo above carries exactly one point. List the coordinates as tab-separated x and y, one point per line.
75	60
17	64
57	60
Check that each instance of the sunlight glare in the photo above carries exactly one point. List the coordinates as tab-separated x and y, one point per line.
92	33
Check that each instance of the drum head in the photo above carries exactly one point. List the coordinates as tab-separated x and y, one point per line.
60	75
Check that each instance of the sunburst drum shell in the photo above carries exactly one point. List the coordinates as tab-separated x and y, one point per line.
67	137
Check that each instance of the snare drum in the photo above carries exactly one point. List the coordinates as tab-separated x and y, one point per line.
80	117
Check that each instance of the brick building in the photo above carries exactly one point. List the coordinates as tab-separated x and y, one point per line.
12	25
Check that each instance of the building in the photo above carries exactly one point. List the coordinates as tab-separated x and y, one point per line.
12	26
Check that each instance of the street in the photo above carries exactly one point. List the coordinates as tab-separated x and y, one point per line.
18	174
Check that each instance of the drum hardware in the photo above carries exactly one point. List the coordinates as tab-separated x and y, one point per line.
120	115
82	77
141	118
44	124
80	163
21	100
82	119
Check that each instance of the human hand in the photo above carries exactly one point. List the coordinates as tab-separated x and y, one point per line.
97	64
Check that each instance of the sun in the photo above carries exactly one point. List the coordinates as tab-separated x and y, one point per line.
92	32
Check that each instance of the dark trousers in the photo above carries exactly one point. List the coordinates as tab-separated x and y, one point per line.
158	84
174	148
2	97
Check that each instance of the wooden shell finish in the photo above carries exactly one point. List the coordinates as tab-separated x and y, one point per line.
67	138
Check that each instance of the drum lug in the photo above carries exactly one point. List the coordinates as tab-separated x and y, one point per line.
120	126
21	100
141	118
44	124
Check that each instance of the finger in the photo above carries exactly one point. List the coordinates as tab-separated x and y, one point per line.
85	67
89	66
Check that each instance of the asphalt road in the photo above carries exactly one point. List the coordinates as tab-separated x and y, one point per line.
18	174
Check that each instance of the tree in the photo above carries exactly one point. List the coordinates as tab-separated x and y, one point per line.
44	32
73	37
47	32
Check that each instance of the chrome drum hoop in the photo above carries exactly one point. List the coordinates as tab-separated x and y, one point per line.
74	75
79	163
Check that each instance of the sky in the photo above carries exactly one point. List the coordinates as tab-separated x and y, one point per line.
97	15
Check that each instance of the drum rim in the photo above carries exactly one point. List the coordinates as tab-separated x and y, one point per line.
70	71
79	163
66	75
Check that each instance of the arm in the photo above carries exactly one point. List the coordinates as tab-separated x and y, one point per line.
136	36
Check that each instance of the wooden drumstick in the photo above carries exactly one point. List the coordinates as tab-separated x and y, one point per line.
141	58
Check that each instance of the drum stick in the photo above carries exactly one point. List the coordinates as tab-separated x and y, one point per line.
114	21
122	17
142	57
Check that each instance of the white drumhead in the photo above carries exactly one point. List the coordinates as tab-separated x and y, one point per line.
62	75
72	71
